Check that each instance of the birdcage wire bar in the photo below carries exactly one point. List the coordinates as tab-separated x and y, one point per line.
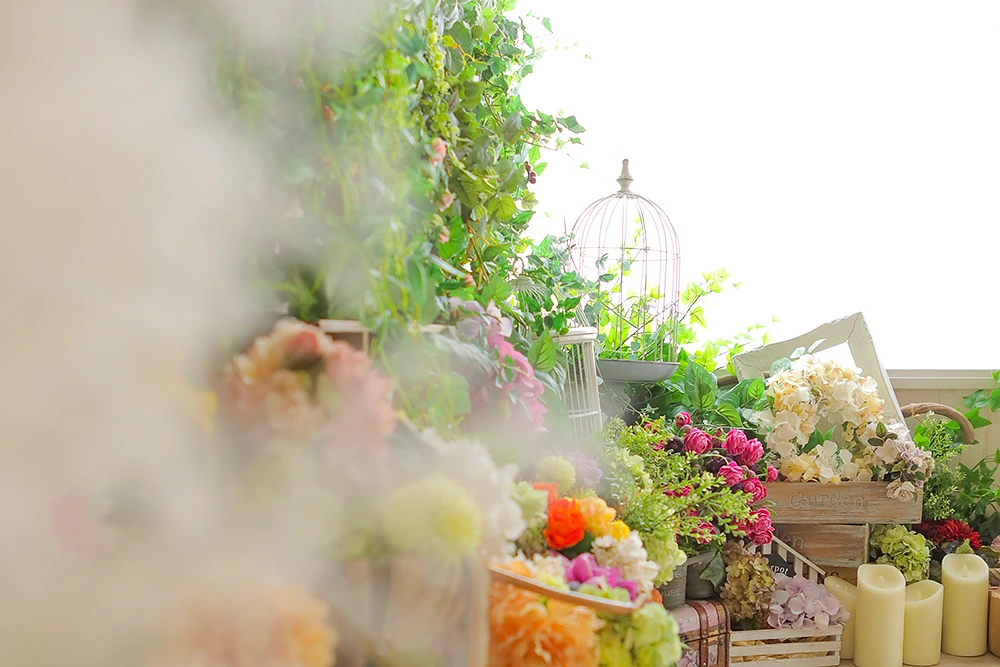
646	284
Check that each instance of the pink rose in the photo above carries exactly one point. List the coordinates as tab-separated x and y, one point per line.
439	149
736	442
732	473
772	473
697	441
753	453
682	419
755	489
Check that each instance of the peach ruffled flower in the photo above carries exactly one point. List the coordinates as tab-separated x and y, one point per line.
249	625
527	631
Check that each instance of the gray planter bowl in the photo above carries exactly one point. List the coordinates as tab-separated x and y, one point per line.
619	370
674	592
698	588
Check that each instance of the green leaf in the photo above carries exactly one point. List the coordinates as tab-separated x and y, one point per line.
799	351
570	123
543	352
507	208
700	386
547	24
812	348
446	267
977	420
995	400
697	316
460	33
976	399
715	571
756	389
729	413
512	128
781	365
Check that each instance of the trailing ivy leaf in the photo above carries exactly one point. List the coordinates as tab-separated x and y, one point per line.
781	365
543	353
463	38
512	128
570	123
977	420
976	399
995	400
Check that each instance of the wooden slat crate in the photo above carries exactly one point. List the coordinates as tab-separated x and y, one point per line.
846	503
787	648
828	545
787	561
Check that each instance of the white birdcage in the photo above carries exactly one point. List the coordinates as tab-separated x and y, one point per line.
628	245
583	401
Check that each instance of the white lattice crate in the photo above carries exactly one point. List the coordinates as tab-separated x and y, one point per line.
805	647
583	401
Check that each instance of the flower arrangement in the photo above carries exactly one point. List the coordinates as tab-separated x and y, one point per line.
797	602
907	550
805	394
297	383
707	486
746	593
527	629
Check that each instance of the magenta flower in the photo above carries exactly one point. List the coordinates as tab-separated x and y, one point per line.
706	532
732	472
582	569
760	530
772	473
682	419
753	453
736	442
678	493
754	487
697	441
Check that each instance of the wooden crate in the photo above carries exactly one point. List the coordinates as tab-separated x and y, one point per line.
784	560
828	545
846	503
787	648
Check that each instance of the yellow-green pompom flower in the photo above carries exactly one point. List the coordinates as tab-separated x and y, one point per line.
559	470
531	500
434	516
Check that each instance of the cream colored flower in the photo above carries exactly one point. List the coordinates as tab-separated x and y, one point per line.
902	491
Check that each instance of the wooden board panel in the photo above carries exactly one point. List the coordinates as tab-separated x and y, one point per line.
848	502
828	545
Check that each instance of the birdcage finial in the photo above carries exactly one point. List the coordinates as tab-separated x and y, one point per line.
625	179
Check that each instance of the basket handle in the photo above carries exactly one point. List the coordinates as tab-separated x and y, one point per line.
968	431
599	604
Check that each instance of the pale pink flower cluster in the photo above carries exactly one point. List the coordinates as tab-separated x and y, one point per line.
797	602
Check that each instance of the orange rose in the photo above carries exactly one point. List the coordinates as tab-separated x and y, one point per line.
566	525
550	487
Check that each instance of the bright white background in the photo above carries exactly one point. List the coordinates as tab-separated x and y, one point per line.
835	156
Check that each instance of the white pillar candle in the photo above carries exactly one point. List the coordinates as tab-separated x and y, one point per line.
878	627
922	623
966	580
847	593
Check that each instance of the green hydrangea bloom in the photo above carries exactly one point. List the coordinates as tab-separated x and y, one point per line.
434	516
559	470
664	552
749	582
532	501
648	638
908	551
532	540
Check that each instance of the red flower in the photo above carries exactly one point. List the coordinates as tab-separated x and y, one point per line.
949	530
566	524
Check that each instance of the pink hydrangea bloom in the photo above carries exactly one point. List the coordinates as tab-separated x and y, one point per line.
797	602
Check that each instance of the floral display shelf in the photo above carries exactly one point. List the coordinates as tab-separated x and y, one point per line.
596	603
805	647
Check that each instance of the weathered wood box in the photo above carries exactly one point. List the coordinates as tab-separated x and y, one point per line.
787	648
830	546
853	503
